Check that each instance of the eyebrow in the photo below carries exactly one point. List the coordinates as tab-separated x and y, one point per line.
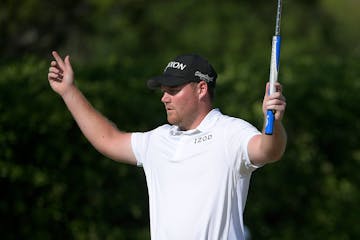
162	88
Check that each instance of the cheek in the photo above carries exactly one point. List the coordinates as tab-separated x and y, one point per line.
185	103
186	107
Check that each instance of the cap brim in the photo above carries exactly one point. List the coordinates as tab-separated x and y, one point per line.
165	80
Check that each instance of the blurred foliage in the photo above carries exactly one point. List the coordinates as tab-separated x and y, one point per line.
56	186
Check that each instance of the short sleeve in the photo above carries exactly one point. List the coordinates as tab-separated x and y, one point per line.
246	166
139	143
238	135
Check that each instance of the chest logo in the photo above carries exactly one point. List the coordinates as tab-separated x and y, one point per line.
203	139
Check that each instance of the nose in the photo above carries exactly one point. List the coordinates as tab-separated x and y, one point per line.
165	97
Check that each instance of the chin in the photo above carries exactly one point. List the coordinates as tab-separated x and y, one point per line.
172	121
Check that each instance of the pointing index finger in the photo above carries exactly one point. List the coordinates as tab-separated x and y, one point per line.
58	59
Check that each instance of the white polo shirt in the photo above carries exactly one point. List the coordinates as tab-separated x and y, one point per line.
197	180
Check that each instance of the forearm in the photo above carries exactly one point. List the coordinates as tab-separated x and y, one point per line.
96	128
101	133
270	148
274	145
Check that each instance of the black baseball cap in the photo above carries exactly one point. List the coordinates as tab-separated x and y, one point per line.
184	69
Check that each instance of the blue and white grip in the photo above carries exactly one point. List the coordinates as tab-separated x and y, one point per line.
274	70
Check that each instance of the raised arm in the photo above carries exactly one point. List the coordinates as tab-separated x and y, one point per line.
101	133
264	148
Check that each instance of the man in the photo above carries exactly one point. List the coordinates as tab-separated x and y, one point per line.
198	166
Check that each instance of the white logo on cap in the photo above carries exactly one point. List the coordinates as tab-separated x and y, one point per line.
204	77
176	65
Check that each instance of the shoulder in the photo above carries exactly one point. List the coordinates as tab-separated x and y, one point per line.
235	130
233	122
217	119
160	130
141	140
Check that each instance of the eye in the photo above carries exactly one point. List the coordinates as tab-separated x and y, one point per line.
174	91
171	90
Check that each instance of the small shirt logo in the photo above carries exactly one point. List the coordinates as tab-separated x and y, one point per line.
203	139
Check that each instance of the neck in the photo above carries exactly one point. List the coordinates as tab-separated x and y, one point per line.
196	120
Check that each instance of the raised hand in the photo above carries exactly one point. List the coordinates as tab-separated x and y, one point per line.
61	75
275	101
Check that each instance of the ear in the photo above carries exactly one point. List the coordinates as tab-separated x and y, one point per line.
202	89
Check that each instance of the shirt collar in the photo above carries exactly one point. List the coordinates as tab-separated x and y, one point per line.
207	123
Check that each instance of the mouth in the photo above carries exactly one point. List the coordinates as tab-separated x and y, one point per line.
169	111
169	108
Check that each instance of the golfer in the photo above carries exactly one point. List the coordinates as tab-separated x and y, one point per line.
198	166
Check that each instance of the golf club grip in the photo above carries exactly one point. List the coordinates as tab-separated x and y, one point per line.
274	69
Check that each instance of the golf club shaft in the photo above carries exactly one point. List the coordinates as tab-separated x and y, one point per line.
274	69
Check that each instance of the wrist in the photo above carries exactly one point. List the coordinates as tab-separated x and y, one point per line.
69	92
